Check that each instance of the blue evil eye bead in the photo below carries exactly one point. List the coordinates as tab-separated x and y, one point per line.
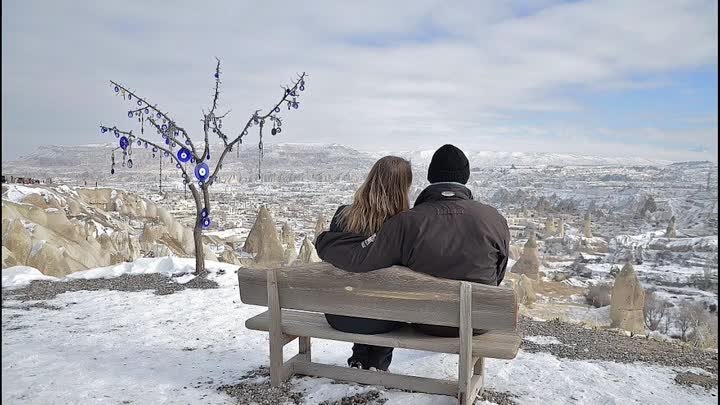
278	130
158	115
187	142
139	142
296	105
154	149
177	132
130	114
129	96
202	171
146	145
167	154
277	109
117	89
177	165
192	160
204	213
302	87
208	156
139	102
147	110
273	131
167	141
124	142
130	163
163	127
217	76
112	171
184	155
205	222
103	129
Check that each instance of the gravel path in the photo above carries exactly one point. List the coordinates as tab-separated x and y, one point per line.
587	344
44	290
254	388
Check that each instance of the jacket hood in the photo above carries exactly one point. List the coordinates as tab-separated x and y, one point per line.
444	192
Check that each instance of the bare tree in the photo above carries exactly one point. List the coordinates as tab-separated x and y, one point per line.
689	316
655	310
174	136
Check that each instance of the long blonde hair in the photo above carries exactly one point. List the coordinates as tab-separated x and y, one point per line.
383	194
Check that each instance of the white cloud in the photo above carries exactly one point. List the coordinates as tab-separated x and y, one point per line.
490	62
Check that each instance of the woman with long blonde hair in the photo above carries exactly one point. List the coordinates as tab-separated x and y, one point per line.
384	193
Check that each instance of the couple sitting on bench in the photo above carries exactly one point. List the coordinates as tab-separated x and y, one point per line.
446	234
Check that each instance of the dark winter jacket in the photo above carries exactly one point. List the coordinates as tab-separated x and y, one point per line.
446	234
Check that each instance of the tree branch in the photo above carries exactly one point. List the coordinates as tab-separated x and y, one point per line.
255	116
146	104
133	138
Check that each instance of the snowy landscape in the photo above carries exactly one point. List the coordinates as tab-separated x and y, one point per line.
106	275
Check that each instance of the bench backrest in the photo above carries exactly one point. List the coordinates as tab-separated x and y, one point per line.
395	293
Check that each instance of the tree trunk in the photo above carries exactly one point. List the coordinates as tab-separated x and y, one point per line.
199	248
197	233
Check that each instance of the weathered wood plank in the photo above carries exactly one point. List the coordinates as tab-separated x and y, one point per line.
395	293
405	382
277	338
465	362
493	344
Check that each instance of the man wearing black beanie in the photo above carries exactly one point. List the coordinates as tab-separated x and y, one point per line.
446	234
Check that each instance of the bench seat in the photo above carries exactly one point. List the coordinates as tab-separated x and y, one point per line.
493	344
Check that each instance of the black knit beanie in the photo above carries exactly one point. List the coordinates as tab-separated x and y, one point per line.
449	164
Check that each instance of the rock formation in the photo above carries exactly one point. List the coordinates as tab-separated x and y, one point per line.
252	242
307	253
550	230
290	254
628	302
529	263
587	226
671	232
265	240
287	235
525	290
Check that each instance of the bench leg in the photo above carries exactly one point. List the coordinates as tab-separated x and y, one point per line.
478	380
304	348
466	361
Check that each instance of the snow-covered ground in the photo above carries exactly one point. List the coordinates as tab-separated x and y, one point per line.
112	347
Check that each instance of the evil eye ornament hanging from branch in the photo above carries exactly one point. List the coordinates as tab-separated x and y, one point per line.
202	172
124	142
129	163
184	155
205	222
204	213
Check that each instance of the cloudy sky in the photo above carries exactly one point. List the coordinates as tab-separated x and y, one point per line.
636	78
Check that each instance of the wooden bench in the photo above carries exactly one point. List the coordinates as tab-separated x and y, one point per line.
297	297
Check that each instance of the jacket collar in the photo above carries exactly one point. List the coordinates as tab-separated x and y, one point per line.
446	191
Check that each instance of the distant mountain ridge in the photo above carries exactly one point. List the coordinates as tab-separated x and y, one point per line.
282	161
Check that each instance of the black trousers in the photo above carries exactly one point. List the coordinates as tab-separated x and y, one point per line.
380	357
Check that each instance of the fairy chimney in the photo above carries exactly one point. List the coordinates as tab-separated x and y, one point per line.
528	264
290	254
263	239
287	235
253	239
307	253
587	226
671	232
628	302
